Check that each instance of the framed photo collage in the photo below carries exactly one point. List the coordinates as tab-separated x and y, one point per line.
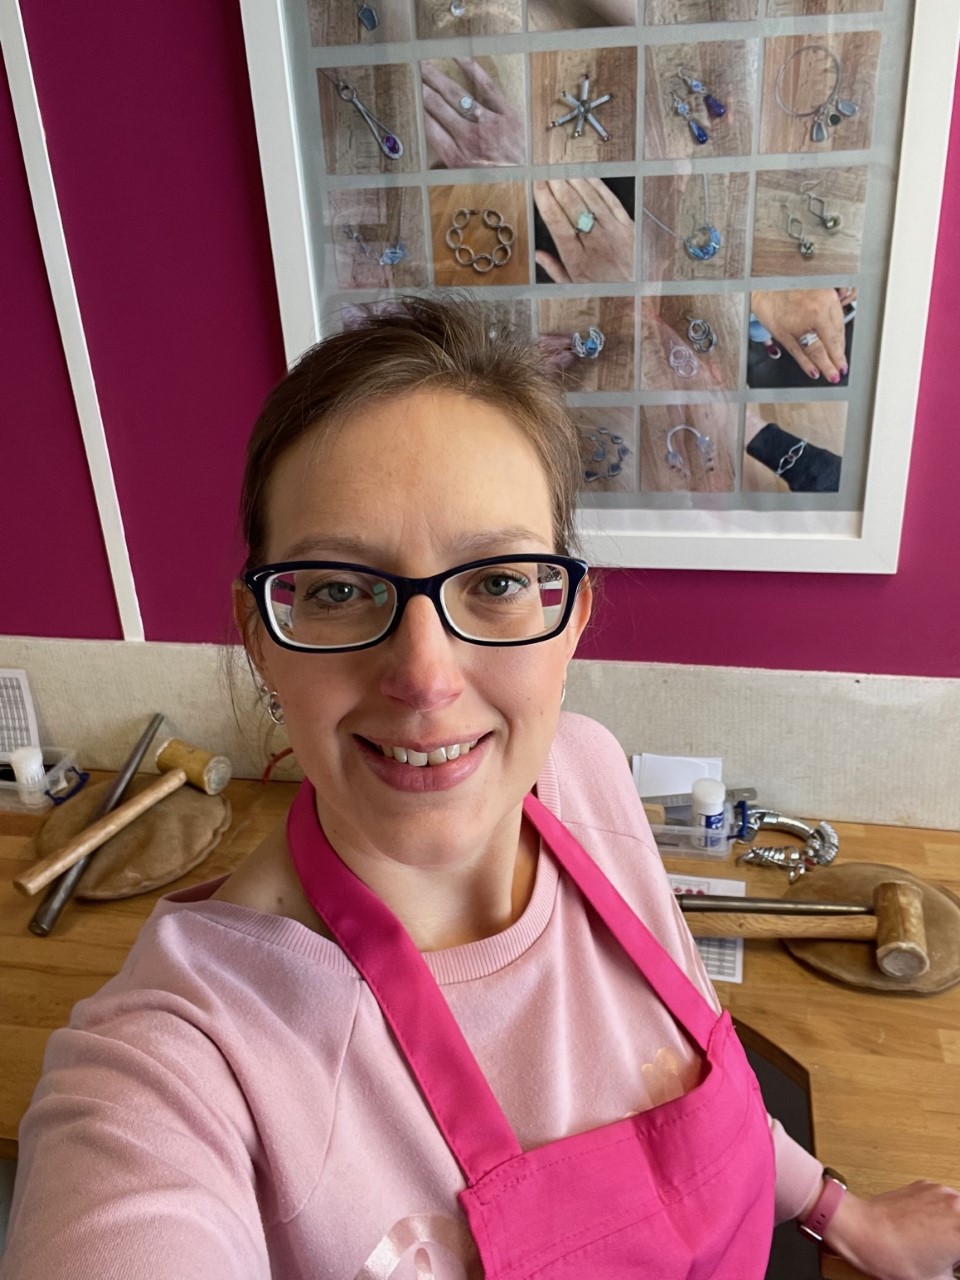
693	207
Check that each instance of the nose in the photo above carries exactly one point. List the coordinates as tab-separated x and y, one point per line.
421	661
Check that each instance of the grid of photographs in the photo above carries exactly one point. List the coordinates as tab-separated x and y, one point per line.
681	202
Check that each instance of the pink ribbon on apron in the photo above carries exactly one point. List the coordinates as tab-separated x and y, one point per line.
683	1191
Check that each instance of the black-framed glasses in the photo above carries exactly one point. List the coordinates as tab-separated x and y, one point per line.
328	606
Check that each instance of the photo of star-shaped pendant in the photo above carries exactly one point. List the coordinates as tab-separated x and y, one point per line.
582	111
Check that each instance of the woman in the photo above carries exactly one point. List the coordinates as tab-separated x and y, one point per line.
507	1089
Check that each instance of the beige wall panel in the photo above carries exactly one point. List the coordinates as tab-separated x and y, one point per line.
859	748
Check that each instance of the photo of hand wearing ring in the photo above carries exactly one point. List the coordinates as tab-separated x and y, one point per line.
472	113
800	336
584	230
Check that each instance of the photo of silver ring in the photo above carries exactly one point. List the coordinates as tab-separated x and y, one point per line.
467	107
590	347
809	338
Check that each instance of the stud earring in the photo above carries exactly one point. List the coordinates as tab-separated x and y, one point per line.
274	709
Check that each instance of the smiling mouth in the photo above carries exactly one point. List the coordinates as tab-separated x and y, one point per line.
425	759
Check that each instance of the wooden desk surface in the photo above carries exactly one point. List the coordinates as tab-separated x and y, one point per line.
882	1071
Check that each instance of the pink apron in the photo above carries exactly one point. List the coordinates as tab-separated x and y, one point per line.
684	1190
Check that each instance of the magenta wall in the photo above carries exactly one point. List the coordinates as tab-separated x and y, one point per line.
47	508
152	142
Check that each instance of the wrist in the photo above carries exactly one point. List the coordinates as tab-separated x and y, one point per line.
818	1215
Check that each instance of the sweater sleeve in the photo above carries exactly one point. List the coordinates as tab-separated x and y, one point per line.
126	1169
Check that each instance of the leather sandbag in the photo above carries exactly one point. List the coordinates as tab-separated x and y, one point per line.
160	846
855	962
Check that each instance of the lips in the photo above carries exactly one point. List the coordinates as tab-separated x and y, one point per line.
423	770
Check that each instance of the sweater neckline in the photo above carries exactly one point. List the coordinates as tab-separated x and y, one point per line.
464	963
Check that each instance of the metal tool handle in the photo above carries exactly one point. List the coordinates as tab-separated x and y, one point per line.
61	891
693	902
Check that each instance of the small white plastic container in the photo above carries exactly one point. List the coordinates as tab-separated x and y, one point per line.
709	799
58	762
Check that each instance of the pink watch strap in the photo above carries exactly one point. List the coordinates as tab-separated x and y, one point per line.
828	1202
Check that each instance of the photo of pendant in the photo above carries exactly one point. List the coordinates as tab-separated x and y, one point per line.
703	244
388	142
367	17
393	254
458	8
583	109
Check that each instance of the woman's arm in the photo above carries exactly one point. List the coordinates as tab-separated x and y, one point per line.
135	1162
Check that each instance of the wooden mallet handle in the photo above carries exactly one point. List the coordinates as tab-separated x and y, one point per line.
41	873
746	924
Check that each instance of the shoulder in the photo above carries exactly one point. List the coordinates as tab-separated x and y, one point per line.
218	997
589	772
588	784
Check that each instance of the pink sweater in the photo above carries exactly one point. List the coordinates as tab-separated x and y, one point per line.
231	1106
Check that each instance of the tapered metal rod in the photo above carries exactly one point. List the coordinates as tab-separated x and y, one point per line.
769	906
61	891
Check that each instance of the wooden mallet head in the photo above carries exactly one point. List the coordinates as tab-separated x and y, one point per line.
205	771
901	937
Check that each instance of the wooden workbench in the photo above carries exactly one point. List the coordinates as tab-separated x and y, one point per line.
882	1071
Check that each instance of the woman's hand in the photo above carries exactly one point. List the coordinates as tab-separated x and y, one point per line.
604	253
912	1233
491	132
791	313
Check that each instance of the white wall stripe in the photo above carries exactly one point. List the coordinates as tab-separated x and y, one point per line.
26	106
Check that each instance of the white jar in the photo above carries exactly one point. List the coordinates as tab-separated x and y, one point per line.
708	797
27	765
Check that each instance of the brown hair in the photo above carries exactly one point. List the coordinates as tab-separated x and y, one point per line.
409	345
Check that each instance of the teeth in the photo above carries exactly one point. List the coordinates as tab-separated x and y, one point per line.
440	755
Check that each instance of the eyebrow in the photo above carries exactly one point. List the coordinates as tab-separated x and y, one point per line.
489	541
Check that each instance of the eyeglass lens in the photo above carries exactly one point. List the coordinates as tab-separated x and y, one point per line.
328	608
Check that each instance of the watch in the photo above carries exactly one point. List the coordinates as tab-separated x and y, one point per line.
828	1202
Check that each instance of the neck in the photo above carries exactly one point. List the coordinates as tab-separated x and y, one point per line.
450	905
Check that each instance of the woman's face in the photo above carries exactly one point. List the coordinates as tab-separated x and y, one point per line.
415	486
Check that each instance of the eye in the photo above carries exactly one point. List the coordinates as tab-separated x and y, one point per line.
503	584
332	592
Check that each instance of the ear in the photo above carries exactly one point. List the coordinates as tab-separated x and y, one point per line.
248	625
582	609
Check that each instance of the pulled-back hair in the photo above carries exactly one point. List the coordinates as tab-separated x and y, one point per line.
416	344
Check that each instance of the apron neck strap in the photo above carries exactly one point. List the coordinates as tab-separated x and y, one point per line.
376	942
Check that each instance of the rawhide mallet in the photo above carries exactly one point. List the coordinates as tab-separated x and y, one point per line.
178	763
895	924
